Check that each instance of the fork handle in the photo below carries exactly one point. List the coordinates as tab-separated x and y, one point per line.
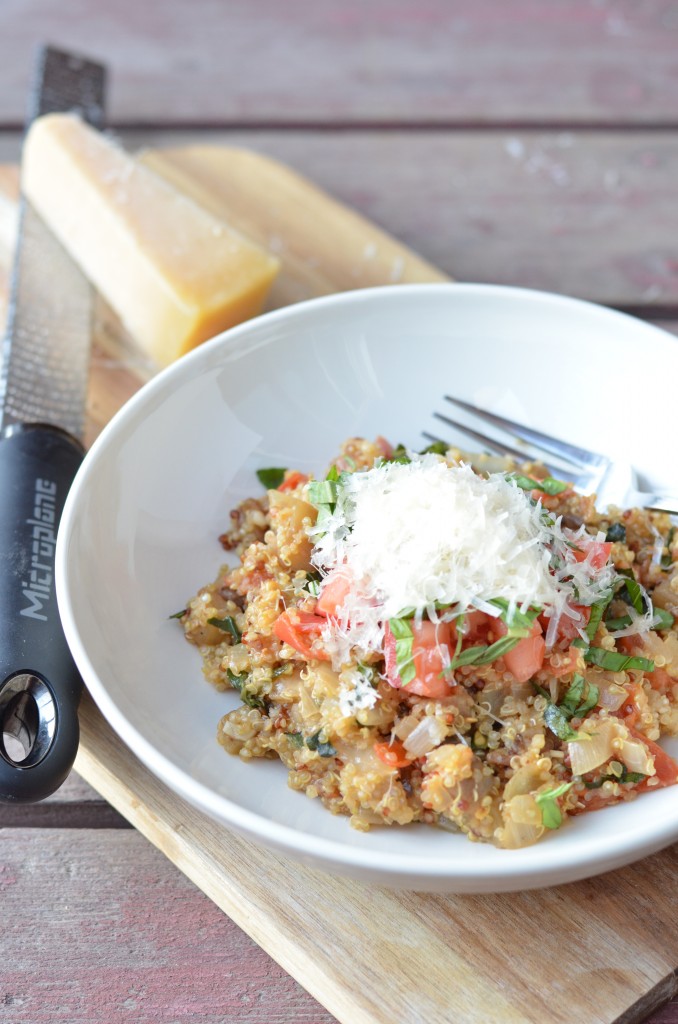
657	502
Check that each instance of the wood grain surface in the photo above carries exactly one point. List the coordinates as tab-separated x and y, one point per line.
102	955
329	61
320	930
372	956
551	163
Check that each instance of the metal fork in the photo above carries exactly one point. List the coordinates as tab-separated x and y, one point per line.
615	482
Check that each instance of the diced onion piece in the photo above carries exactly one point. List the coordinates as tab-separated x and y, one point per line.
595	747
522	822
428	734
611	695
405	726
523	809
637	758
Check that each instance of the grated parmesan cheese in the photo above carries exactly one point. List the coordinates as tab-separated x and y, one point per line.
416	536
356	692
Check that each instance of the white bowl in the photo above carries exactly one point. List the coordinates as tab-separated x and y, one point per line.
139	533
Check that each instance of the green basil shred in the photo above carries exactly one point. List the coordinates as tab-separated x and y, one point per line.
228	625
271	478
551	815
613	661
404	640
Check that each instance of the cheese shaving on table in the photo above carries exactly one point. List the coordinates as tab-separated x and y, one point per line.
422	536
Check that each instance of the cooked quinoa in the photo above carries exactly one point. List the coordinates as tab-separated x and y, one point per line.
486	711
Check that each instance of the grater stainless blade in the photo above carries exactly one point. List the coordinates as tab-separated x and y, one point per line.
45	355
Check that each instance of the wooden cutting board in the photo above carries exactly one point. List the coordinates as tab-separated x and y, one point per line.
603	950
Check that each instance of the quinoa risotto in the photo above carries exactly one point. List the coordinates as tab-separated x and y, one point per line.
419	639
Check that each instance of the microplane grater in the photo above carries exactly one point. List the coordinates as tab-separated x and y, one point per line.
43	382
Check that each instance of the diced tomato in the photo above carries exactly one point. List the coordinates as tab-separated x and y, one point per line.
390	661
527	657
301	630
384	447
292	481
567	662
333	594
661	681
600	552
475	627
392	753
666	768
429	660
629	712
427	657
568	629
431	684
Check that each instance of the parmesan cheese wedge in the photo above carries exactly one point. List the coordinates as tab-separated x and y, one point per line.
174	274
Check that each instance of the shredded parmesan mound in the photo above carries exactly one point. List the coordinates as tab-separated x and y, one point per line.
420	535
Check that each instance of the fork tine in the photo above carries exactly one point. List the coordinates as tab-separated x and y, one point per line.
577	456
489	442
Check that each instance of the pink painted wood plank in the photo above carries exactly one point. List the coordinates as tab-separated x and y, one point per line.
100	927
586	214
345	60
579	213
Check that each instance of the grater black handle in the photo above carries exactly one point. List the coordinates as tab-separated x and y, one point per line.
40	686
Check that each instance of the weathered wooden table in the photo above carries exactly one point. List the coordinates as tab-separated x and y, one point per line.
530	144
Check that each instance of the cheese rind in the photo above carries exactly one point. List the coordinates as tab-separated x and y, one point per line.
175	274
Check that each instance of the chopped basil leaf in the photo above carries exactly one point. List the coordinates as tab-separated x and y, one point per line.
324	749
662	619
551	815
239	683
399	455
178	615
620	623
482	655
526	483
312	586
322	492
597	611
271	478
296	739
369	674
468	657
624	778
558	722
572	698
496	650
520	623
615	662
549	485
616	533
228	625
552	486
437	448
580	698
459	626
632	593
252	700
404	640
